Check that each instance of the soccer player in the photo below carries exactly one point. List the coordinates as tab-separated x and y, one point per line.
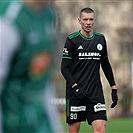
26	58
83	53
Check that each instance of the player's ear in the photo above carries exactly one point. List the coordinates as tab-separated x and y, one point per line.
94	19
79	20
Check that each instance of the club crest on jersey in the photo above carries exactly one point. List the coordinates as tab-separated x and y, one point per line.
99	47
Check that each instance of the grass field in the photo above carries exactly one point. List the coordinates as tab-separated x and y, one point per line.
121	125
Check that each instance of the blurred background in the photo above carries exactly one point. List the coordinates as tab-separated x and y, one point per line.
115	21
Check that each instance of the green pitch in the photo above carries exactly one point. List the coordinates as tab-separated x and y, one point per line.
121	125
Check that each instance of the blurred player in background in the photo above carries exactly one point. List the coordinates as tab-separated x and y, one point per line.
27	42
84	52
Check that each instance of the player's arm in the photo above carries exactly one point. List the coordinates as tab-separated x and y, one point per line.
105	64
66	62
65	68
109	75
107	69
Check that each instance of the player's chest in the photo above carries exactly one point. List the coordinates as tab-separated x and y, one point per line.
86	50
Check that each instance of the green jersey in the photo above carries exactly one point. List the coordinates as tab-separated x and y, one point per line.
23	107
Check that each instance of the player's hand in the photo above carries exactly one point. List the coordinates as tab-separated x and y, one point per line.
114	98
78	92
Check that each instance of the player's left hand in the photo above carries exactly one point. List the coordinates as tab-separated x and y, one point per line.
114	98
78	92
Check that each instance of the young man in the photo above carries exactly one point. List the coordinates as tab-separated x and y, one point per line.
83	53
27	45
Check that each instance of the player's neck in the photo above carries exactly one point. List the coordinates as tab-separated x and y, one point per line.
87	34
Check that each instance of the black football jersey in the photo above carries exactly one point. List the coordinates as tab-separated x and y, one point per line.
86	55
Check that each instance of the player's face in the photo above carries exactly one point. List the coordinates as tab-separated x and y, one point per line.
87	21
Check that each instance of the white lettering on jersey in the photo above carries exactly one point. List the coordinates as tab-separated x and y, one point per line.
89	55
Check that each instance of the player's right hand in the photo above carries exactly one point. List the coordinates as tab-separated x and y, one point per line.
78	92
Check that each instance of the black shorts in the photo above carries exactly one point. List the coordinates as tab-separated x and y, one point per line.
81	110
